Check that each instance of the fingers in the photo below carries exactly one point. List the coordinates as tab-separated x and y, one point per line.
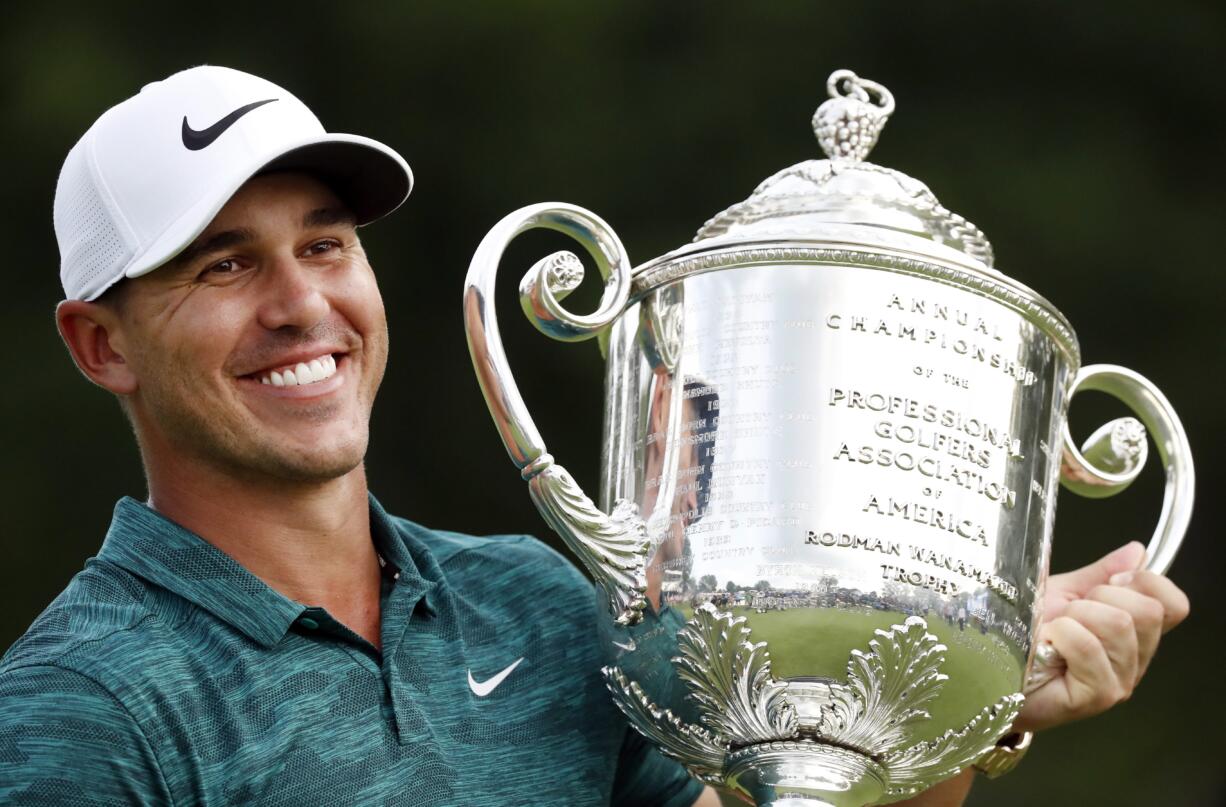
1063	588
1099	645
1087	661
1079	581
1115	633
1174	602
1146	614
1088	686
1155	604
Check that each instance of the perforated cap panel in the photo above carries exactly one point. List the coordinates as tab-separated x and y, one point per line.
92	250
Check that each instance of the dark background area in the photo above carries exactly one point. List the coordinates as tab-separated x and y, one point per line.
1086	140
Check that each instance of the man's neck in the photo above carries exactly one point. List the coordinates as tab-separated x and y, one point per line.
310	542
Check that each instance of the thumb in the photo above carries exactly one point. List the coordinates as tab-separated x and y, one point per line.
1078	582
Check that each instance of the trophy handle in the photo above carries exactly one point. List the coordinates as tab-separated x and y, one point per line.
612	547
1115	454
1112	458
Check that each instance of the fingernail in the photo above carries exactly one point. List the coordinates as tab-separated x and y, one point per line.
1121	579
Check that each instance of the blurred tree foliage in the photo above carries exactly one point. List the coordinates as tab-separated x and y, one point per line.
1085	139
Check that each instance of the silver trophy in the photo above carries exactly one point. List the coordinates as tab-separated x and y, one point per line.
833	435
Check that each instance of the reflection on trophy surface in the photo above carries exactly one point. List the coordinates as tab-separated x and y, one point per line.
833	438
669	566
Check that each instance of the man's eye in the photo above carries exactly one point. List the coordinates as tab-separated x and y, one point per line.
320	247
228	266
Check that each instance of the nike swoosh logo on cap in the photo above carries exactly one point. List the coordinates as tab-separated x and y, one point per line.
483	688
197	139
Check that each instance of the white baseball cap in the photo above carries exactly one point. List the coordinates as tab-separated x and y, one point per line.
153	171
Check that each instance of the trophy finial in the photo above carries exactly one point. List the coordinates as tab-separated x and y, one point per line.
847	125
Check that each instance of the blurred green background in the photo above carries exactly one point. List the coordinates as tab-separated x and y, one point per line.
1085	139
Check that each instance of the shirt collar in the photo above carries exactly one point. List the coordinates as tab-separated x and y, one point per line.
402	545
153	547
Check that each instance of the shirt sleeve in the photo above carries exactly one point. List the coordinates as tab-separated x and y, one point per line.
66	740
646	778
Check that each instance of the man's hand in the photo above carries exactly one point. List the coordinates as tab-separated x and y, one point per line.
1106	620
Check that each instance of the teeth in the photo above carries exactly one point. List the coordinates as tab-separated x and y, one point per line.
302	373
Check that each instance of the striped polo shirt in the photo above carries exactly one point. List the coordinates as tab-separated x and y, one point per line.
166	673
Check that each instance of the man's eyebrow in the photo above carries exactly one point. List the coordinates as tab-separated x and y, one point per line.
226	239
327	216
215	242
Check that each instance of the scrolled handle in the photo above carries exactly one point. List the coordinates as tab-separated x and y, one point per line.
1114	455
1112	458
613	548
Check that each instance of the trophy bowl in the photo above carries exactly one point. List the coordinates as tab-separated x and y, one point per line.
833	438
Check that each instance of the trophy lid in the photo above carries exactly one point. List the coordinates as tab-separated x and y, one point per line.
843	197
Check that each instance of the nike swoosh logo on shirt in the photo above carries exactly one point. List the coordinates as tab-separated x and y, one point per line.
483	688
195	139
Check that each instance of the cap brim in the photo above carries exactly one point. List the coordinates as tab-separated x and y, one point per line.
370	178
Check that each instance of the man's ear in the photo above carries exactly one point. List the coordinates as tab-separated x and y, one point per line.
92	334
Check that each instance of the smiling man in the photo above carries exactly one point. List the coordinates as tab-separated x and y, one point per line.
260	630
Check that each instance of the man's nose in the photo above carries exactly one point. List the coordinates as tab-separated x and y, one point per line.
293	297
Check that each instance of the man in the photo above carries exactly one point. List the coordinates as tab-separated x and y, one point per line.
260	630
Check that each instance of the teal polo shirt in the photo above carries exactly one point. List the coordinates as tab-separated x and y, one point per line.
166	673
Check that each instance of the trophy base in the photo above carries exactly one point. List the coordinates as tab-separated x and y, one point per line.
799	773
811	742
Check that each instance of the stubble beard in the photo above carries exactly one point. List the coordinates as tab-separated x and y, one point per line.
241	446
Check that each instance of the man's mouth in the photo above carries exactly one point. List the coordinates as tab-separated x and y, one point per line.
312	371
